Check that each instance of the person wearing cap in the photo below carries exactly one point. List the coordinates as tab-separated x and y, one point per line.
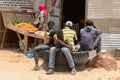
68	36
90	37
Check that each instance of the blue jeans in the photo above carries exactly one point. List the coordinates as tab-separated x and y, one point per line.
97	43
39	48
65	51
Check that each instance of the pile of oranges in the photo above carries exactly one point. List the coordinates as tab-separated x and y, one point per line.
28	27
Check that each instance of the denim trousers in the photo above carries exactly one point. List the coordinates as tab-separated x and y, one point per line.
39	48
65	51
97	43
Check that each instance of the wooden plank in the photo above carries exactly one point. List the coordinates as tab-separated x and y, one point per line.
26	44
17	29
1	22
3	39
20	16
7	16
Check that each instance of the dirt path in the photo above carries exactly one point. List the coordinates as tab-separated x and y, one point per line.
15	66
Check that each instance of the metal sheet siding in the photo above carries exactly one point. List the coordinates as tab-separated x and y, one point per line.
105	14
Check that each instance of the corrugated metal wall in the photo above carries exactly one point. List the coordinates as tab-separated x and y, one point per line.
110	42
105	14
13	5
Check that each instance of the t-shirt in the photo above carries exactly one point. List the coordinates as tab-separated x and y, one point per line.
51	39
41	16
70	36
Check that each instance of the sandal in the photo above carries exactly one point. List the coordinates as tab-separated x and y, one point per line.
36	68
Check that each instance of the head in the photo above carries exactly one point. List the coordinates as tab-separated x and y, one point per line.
89	23
51	24
82	21
69	24
41	7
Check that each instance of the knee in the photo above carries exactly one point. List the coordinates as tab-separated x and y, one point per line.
52	49
99	36
35	49
65	50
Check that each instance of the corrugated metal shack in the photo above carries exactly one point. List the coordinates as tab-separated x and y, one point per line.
104	13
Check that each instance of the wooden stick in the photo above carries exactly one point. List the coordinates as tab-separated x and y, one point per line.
46	19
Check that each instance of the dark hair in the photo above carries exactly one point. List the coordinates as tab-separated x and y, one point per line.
89	23
51	24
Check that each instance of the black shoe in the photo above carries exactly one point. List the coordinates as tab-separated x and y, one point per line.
36	68
73	71
50	71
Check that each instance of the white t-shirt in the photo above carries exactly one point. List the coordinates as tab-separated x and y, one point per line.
41	16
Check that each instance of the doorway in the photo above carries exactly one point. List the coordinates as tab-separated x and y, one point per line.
73	10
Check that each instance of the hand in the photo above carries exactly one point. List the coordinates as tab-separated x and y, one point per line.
40	27
65	45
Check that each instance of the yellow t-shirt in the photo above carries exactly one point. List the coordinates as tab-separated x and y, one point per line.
69	36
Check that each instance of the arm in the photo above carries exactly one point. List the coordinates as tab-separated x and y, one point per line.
60	43
65	45
41	19
98	31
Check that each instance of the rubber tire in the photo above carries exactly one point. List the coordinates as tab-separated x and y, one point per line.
80	59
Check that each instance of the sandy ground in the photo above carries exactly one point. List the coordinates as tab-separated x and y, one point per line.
15	66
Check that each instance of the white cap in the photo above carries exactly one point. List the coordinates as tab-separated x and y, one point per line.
69	23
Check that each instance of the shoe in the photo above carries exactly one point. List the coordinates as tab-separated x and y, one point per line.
50	71
73	71
36	68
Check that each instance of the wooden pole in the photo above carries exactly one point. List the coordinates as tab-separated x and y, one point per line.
46	20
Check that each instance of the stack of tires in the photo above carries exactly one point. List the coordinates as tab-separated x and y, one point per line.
80	59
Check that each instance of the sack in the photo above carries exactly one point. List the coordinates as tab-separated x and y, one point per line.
103	60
